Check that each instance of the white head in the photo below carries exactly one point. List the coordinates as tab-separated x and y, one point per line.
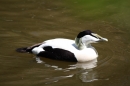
86	37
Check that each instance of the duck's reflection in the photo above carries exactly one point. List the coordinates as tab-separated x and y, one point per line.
84	65
84	71
87	74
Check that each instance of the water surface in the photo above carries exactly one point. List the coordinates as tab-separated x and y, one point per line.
26	22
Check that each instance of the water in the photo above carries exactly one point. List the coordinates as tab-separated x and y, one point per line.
26	22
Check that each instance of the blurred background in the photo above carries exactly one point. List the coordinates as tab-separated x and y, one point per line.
26	22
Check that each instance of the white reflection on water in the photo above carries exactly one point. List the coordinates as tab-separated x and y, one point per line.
38	60
85	72
56	79
85	65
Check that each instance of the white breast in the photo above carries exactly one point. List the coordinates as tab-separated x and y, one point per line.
86	54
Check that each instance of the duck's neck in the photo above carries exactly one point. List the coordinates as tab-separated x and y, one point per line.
81	45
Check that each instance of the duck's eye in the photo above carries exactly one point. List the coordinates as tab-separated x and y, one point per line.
96	35
99	37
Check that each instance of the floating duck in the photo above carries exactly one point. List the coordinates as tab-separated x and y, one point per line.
78	50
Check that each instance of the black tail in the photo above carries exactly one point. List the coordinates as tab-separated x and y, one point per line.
27	49
22	50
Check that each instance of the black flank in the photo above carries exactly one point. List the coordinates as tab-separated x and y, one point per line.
57	54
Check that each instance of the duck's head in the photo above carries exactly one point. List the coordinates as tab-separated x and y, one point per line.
86	37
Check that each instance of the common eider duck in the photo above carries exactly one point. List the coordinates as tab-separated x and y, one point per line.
78	50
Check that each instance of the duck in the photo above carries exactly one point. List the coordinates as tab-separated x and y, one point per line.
78	50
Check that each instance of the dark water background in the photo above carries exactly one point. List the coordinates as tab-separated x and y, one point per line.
26	22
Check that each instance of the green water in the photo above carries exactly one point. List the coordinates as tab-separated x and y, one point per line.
26	22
